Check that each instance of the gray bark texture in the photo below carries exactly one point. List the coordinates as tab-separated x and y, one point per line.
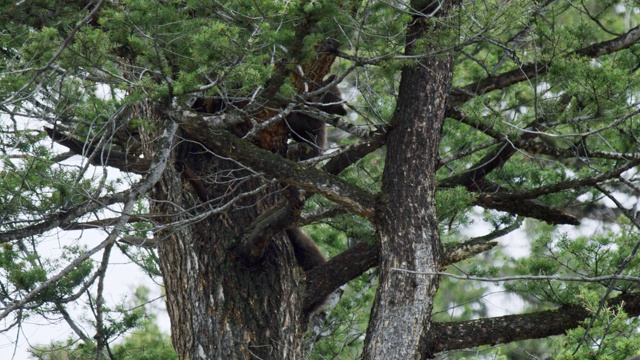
410	246
222	306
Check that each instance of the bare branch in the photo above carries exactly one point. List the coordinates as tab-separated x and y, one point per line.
505	329
158	166
102	272
365	255
586	279
139	241
531	208
532	70
116	159
289	172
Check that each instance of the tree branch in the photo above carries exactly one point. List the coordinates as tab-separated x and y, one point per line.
532	70
528	207
353	262
158	166
354	153
512	196
505	329
116	159
64	216
311	179
473	178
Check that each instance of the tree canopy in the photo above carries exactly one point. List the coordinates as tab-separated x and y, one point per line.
164	130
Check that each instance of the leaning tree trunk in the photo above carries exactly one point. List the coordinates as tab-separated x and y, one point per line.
410	246
220	306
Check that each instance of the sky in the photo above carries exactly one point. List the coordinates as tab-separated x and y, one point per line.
123	277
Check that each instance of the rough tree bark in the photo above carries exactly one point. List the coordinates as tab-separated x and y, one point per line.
224	306
410	246
221	306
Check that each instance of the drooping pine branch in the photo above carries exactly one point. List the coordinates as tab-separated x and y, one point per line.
532	70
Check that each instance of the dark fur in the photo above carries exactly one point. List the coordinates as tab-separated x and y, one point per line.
310	131
305	249
310	135
308	256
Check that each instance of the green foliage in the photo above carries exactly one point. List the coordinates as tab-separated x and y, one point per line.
147	343
61	350
144	342
343	330
570	125
558	254
459	300
24	271
453	205
612	334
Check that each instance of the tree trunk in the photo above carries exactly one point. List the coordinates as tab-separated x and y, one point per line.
410	246
220	306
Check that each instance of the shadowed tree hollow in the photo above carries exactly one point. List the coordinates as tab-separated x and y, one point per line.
229	147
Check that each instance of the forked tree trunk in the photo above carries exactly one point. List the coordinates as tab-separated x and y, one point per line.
410	245
220	306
